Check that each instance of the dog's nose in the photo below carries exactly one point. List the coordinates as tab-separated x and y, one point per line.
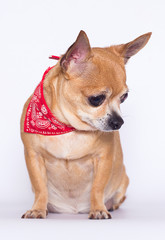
115	121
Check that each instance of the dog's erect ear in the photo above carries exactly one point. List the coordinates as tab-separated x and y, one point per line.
76	56
129	49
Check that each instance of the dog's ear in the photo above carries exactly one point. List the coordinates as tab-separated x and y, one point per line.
73	61
129	49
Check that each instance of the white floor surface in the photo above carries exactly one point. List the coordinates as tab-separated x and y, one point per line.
134	220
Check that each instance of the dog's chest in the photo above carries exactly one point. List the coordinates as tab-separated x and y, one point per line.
68	146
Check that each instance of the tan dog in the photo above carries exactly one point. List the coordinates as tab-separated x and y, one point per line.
82	171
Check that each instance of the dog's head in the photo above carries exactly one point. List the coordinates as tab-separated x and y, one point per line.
93	83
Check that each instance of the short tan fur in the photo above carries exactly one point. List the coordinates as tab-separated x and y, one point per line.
81	171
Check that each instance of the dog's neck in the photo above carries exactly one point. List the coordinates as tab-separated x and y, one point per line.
53	97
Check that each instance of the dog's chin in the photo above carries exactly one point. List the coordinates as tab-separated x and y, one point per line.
100	128
107	130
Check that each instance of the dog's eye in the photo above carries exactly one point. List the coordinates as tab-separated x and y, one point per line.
96	101
123	97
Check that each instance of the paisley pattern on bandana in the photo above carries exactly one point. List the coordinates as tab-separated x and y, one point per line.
39	119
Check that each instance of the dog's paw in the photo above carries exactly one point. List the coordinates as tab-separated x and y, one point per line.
35	214
99	214
116	206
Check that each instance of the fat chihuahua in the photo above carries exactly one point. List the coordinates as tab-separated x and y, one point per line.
69	128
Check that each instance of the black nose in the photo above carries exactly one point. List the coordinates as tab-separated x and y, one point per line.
115	121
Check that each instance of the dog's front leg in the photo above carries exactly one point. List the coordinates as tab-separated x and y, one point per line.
102	169
37	173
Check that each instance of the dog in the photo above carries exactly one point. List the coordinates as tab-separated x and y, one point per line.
69	128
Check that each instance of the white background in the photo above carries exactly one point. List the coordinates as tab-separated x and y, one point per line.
32	30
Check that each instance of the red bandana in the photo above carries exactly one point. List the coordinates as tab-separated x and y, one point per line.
39	119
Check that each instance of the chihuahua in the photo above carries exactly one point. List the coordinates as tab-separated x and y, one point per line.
69	128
